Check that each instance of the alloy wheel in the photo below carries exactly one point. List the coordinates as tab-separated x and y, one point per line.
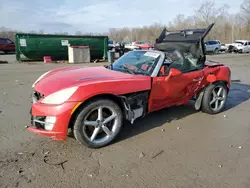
218	98
100	124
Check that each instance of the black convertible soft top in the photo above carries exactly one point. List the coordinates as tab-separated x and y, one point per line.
186	41
186	35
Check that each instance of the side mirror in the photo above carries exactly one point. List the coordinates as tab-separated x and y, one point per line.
174	72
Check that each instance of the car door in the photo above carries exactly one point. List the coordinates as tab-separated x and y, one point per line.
174	90
10	45
2	44
210	46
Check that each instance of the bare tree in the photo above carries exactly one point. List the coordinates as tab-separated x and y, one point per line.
208	12
245	6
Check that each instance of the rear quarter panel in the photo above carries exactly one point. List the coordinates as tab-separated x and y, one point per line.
222	73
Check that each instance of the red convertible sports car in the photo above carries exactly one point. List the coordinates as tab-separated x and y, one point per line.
93	102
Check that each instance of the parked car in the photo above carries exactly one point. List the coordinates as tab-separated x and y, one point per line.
212	46
95	101
223	47
143	45
6	45
131	46
240	46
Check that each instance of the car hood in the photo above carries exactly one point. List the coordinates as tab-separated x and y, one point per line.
237	44
62	78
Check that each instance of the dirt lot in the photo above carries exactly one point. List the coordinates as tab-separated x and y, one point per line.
175	147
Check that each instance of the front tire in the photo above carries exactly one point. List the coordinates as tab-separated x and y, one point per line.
215	97
98	123
216	51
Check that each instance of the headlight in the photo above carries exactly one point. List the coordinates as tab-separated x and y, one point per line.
59	97
40	78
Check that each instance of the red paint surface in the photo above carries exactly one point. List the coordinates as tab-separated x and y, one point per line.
166	91
92	80
62	114
4	46
144	46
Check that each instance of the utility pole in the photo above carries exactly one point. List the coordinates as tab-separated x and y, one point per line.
232	32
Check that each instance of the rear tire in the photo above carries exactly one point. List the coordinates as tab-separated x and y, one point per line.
98	123
215	97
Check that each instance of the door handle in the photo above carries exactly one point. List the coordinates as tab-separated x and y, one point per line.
197	79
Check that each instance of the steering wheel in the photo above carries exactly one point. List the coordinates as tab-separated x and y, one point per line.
148	64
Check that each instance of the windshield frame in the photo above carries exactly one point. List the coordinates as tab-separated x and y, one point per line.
157	66
239	42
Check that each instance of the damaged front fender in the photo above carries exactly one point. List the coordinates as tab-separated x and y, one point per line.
135	105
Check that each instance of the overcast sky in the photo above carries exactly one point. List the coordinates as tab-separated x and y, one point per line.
94	15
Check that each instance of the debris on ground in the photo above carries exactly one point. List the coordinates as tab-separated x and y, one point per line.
90	175
163	130
126	175
157	154
45	155
225	116
220	166
20	171
178	128
17	184
56	164
240	147
231	146
141	155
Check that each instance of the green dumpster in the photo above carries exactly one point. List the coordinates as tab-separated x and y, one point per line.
33	47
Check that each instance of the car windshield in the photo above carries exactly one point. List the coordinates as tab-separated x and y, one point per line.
238	42
137	62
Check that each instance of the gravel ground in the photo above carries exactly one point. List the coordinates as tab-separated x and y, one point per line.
174	147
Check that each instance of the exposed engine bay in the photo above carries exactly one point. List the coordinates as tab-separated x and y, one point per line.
135	105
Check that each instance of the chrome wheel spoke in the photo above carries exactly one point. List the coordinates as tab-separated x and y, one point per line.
219	92
214	94
95	133
221	98
106	130
100	116
110	118
213	101
216	104
91	123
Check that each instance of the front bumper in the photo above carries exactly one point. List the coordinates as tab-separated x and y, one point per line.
62	113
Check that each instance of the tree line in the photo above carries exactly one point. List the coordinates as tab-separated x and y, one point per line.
228	27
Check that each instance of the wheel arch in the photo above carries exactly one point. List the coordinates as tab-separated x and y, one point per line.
200	94
112	97
222	81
